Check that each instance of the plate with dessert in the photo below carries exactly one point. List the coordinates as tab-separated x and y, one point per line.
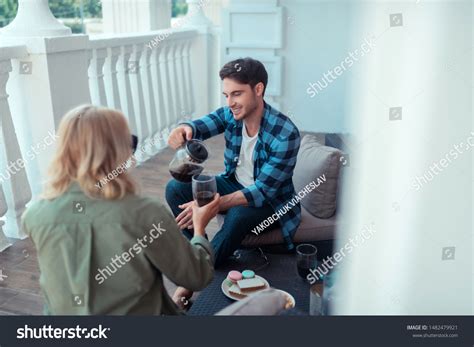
238	285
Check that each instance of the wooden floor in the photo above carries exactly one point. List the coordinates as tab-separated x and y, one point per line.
20	292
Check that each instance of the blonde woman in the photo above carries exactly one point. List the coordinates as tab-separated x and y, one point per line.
102	248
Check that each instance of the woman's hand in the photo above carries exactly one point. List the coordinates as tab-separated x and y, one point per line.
201	216
185	218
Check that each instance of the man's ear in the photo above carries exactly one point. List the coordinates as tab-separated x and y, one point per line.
259	87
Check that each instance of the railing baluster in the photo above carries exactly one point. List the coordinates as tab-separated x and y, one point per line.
18	190
176	82
158	89
183	78
136	84
168	87
150	102
190	88
4	243
125	91
96	77
110	78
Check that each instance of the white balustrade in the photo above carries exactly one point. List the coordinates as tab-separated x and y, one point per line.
151	85
147	75
15	191
34	16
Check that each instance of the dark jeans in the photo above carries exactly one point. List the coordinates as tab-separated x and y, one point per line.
239	220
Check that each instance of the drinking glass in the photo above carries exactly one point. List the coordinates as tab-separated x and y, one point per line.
204	188
306	259
316	300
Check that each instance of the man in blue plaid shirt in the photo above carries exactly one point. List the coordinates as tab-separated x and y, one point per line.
260	155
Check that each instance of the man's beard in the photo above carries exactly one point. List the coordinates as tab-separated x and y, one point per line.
249	110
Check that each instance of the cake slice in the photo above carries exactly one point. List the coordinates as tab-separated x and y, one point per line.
235	290
250	284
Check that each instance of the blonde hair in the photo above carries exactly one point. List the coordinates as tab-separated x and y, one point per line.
93	142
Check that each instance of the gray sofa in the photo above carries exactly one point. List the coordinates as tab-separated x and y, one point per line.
319	154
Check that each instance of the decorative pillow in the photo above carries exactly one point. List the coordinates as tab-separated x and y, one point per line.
316	177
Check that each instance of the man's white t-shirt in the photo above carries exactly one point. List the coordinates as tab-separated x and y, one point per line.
244	170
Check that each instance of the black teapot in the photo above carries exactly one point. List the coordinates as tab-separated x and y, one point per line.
188	160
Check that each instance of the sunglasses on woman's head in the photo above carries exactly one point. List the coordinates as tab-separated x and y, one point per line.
134	143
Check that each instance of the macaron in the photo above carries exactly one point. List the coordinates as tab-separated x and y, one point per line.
247	274
234	276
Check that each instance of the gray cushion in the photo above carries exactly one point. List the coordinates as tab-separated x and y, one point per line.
265	303
315	160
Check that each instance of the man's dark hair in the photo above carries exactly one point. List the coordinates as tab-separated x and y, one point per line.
245	71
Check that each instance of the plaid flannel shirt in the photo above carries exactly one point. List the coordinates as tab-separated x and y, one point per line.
274	160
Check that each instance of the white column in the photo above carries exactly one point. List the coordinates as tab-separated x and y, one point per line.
202	55
34	18
411	168
213	10
196	15
121	16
